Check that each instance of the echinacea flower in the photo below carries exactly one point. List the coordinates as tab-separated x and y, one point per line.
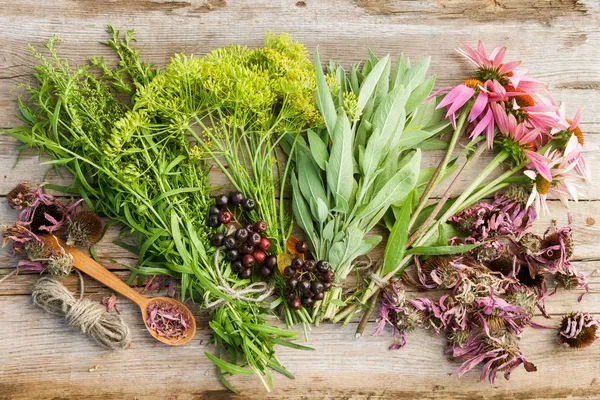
397	313
501	354
578	330
519	142
564	177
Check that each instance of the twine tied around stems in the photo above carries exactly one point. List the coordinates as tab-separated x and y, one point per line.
107	329
242	294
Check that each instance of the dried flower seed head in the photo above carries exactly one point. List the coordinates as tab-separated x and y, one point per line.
459	337
503	264
578	330
60	265
37	251
47	217
524	298
558	239
517	193
20	197
531	242
85	229
487	252
438	271
529	279
570	280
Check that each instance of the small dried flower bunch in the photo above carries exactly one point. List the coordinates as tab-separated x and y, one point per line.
518	116
43	213
578	330
482	316
397	312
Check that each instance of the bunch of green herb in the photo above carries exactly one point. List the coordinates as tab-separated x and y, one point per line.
257	96
362	162
125	136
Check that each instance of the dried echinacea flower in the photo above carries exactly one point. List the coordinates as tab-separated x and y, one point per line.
20	197
167	320
578	330
85	229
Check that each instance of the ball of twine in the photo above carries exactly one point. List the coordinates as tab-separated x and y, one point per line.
90	317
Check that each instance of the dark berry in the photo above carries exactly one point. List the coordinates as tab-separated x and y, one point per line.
301	247
260	256
271	262
250	228
246	273
319	296
322	266
247	248
307	301
310	265
260	227
232	255
242	234
296	304
237	266
297	263
213	221
291	283
214	210
326	286
304	286
236	198
229	242
248	204
289	271
225	217
217	239
254	239
316	287
264	271
221	201
328	276
291	295
248	261
264	244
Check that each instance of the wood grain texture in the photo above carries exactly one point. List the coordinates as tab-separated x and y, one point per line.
559	42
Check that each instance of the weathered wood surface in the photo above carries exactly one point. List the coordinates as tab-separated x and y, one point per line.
558	40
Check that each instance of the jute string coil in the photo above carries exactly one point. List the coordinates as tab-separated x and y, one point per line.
90	317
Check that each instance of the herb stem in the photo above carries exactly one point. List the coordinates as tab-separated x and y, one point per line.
439	171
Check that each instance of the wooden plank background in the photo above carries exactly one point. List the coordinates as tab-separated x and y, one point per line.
559	41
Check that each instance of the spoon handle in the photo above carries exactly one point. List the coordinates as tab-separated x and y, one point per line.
88	266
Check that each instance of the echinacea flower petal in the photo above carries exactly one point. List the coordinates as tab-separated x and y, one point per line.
540	164
478	106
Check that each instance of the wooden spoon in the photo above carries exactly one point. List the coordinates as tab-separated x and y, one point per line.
90	267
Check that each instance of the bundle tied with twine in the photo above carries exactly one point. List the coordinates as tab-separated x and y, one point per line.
108	330
262	288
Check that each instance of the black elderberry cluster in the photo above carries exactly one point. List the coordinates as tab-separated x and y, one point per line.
245	247
307	280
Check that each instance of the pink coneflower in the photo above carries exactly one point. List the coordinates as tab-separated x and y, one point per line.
519	142
455	100
564	177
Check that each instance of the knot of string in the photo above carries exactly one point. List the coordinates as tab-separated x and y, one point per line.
262	288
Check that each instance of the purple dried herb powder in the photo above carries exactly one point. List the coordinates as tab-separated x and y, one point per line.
167	320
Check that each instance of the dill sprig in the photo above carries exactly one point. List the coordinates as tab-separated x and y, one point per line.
127	137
